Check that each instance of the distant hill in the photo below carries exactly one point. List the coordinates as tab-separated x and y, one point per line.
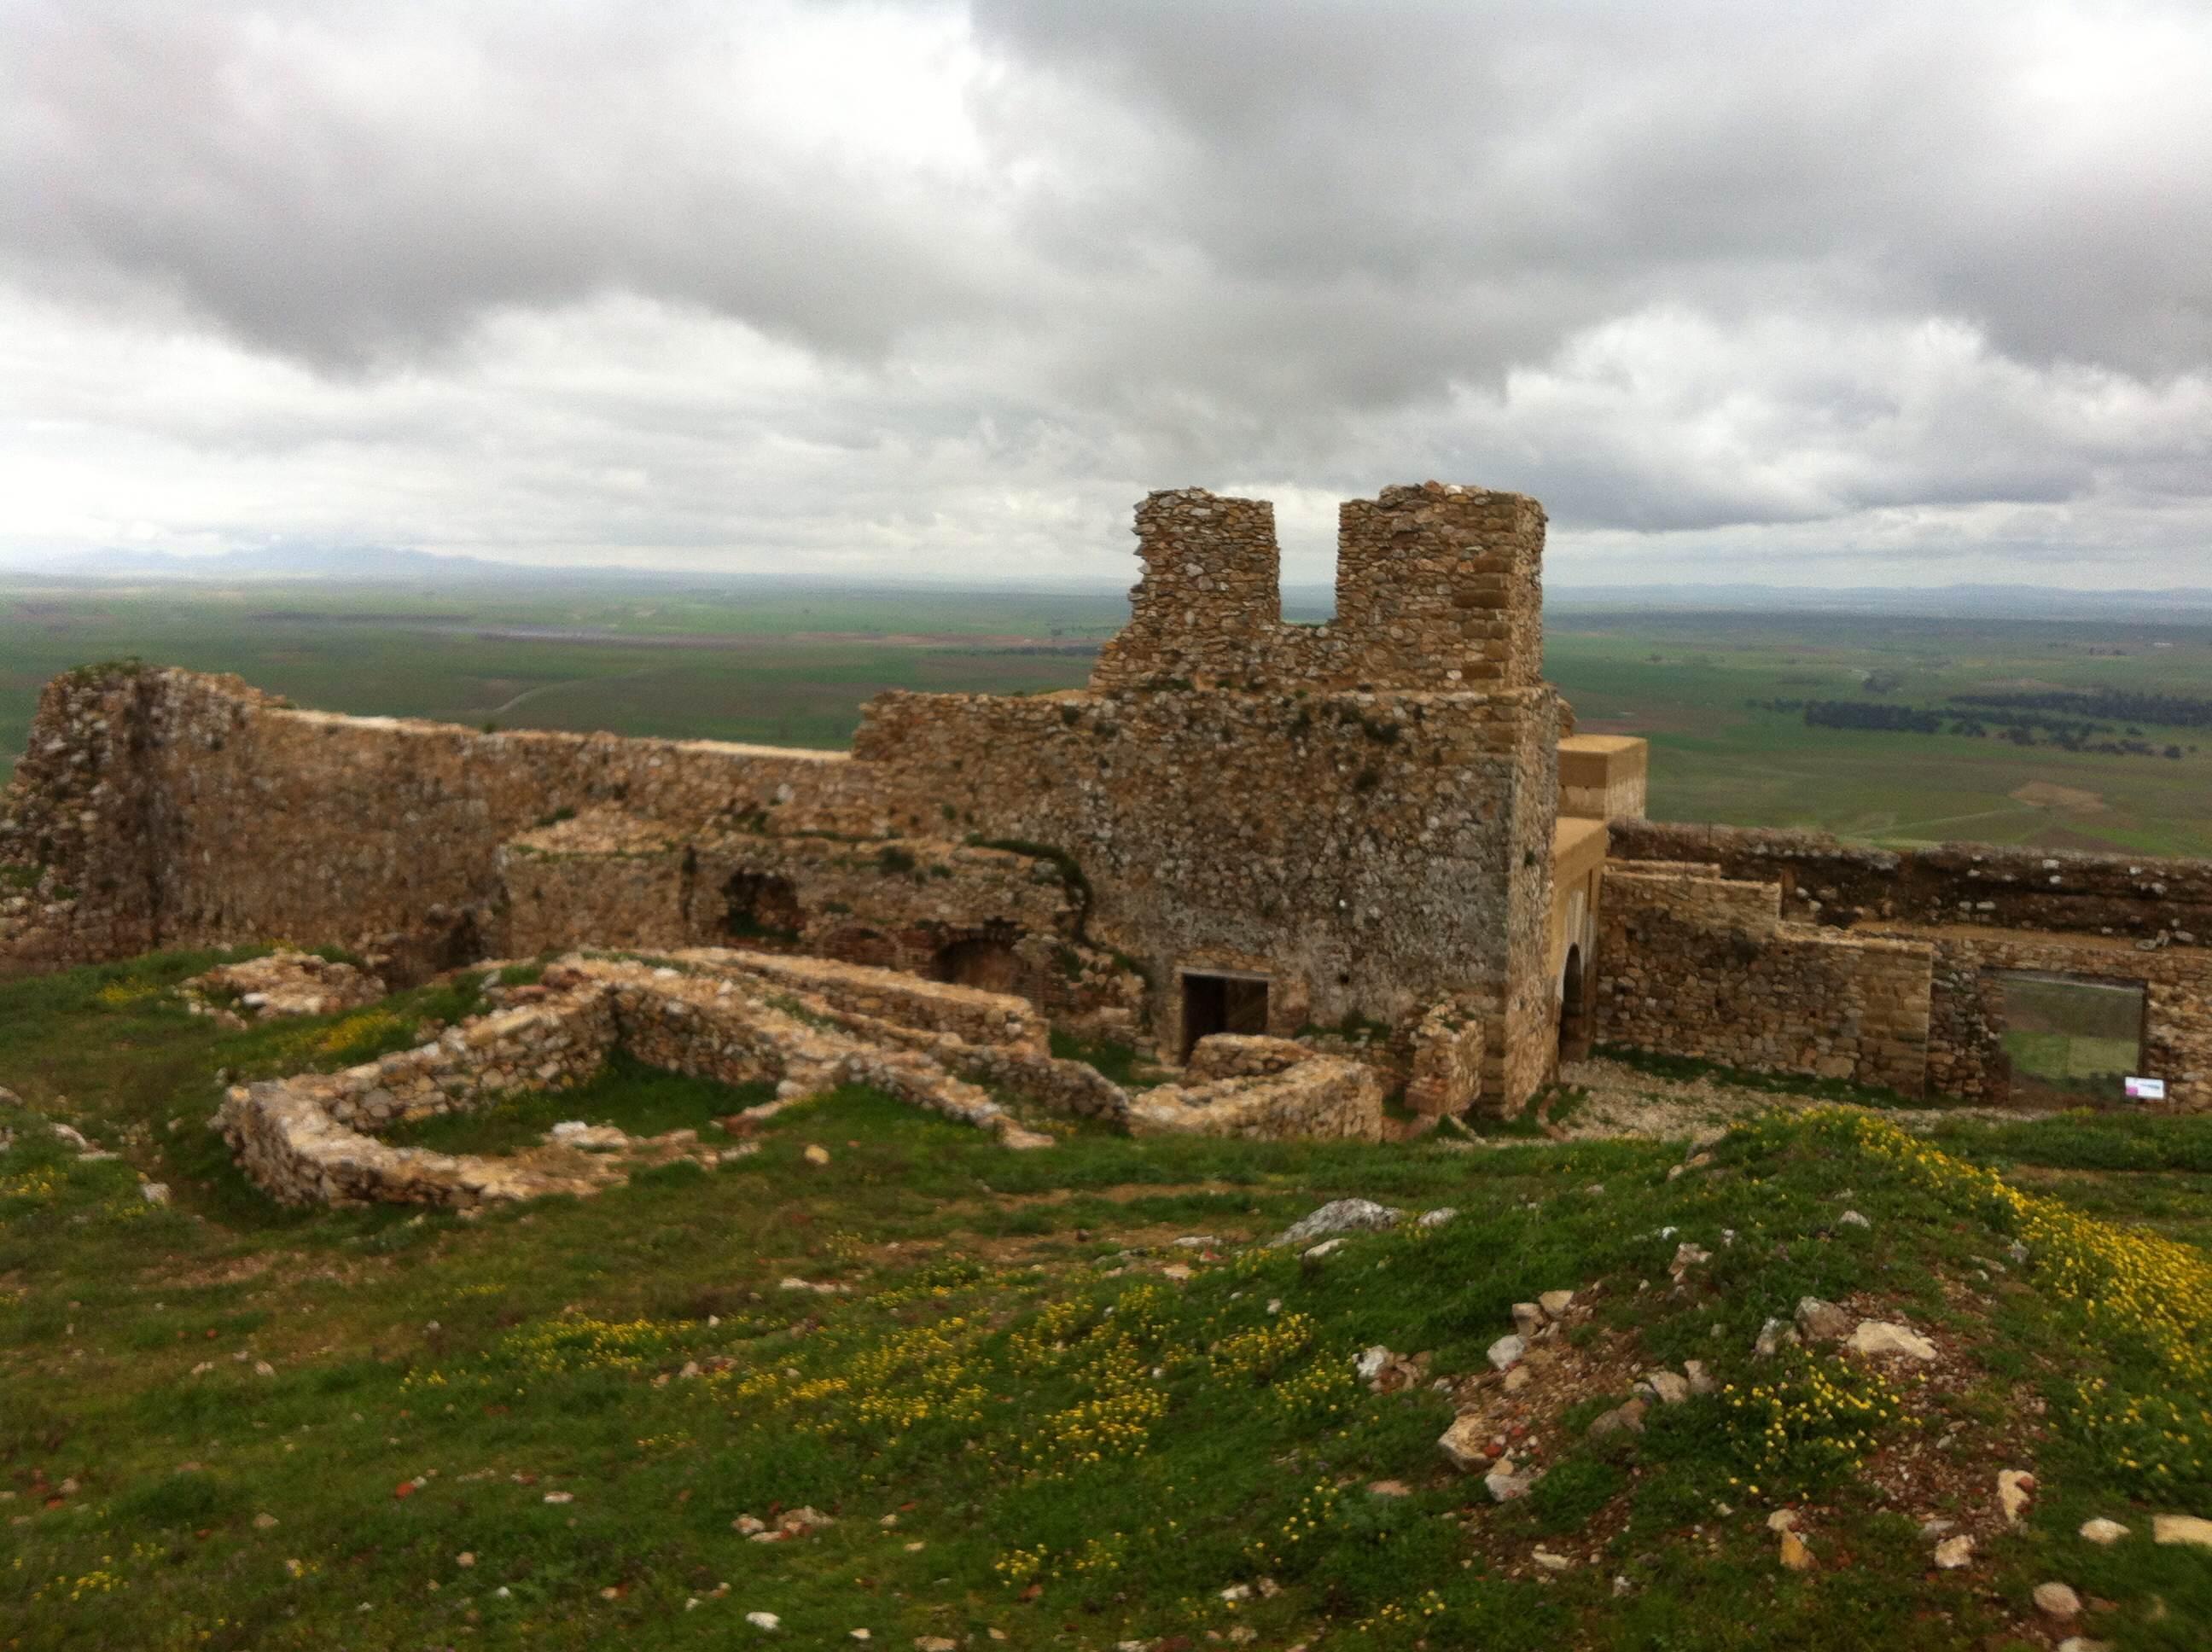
392	565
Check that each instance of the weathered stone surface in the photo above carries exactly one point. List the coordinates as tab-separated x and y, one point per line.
1876	1337
1340	1216
285	982
2189	1529
1323	1098
1465	1444
719	1016
1506	1352
2058	1601
1626	1418
1822	1322
2102	1532
1954	1552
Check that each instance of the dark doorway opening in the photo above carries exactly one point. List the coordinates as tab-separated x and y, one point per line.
989	964
759	906
1222	1003
1574	1010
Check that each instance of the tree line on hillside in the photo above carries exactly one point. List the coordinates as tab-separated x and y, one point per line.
2016	727
2123	705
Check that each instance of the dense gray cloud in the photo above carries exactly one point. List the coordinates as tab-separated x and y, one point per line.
1820	292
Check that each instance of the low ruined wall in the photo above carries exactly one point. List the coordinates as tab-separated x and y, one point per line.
738	1021
996	1019
1705	967
1445	1069
550	1047
1243	1055
2143	897
1325	1098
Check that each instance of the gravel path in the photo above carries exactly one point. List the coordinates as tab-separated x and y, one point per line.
1624	1101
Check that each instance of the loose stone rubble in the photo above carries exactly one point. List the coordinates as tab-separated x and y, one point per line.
283	983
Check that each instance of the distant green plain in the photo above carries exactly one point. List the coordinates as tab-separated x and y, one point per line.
793	667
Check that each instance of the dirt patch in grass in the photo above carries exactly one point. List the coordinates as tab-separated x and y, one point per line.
2048	794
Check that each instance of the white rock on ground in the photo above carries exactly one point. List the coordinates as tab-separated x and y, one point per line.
1954	1552
1436	1218
1506	1352
2015	1490
1528	1319
1340	1216
2102	1531
1556	1302
2057	1601
1466	1444
2181	1528
1882	1337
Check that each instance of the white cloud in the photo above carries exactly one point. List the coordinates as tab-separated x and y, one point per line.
1822	294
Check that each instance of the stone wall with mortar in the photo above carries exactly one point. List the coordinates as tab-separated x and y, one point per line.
1228	796
1707	968
1370	854
1824	880
1437	587
166	807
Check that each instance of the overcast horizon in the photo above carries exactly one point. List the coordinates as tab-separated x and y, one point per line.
1821	296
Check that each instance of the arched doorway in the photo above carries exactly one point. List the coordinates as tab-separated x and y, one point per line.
1574	1008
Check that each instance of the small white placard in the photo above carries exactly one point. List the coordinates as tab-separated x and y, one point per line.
2146	1090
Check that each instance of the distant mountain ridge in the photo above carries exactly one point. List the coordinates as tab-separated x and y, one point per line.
394	565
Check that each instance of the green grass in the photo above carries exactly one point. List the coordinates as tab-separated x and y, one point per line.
641	1099
1085	1450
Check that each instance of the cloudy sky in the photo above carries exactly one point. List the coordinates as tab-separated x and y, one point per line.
1809	292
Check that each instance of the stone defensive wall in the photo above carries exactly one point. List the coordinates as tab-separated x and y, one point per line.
1241	826
1437	587
1980	914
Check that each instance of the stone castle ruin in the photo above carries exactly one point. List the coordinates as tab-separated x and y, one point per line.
1377	838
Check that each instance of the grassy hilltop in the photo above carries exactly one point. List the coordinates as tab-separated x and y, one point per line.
1032	1415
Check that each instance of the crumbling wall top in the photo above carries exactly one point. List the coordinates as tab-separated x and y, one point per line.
1438	587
